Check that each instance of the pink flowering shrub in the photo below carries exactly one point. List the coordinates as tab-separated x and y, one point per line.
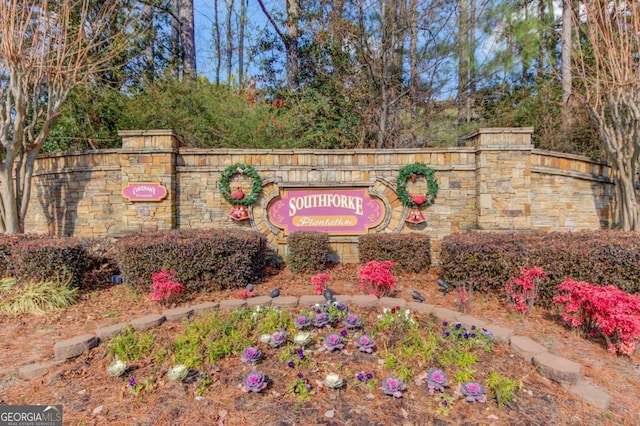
606	311
243	294
523	291
376	278
164	288
319	281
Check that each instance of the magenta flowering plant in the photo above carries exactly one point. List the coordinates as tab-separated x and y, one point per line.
352	321
164	288
436	380
255	382
319	282
393	386
473	392
251	355
332	342
365	344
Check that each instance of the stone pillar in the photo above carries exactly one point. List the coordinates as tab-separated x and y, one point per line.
503	178
149	156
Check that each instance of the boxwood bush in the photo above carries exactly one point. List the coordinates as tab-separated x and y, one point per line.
203	260
411	252
489	260
308	251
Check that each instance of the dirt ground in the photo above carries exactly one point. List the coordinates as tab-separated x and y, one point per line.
90	396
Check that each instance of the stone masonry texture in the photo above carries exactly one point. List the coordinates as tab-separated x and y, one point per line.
496	181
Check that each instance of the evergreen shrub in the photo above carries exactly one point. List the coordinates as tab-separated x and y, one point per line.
411	252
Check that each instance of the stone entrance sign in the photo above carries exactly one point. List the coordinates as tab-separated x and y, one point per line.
335	211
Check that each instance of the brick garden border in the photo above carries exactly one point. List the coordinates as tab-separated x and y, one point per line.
560	370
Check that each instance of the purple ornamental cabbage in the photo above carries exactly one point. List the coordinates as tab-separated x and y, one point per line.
251	355
254	382
365	344
332	342
393	386
321	319
436	380
473	392
301	321
278	338
352	321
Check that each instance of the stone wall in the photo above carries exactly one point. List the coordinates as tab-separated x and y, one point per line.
496	181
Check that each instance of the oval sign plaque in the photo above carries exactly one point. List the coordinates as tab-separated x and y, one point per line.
335	211
144	191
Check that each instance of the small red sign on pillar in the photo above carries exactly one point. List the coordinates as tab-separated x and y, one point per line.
144	191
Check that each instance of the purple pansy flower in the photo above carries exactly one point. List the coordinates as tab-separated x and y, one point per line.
473	392
254	382
393	386
251	355
365	344
332	342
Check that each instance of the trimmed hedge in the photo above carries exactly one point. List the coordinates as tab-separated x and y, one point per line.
48	258
489	260
213	259
411	252
308	251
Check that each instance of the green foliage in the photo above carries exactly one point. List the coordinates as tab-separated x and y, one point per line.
411	252
489	260
90	119
202	259
131	345
273	319
308	251
49	258
35	298
464	374
503	388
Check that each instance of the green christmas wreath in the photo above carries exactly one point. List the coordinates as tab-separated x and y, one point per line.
405	174
244	169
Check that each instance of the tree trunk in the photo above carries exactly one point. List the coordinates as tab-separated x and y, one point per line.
149	49
291	44
413	58
187	39
229	41
217	41
566	64
617	122
463	61
10	217
243	24
176	49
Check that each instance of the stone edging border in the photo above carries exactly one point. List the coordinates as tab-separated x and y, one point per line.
560	370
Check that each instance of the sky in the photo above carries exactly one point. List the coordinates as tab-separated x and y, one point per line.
203	15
